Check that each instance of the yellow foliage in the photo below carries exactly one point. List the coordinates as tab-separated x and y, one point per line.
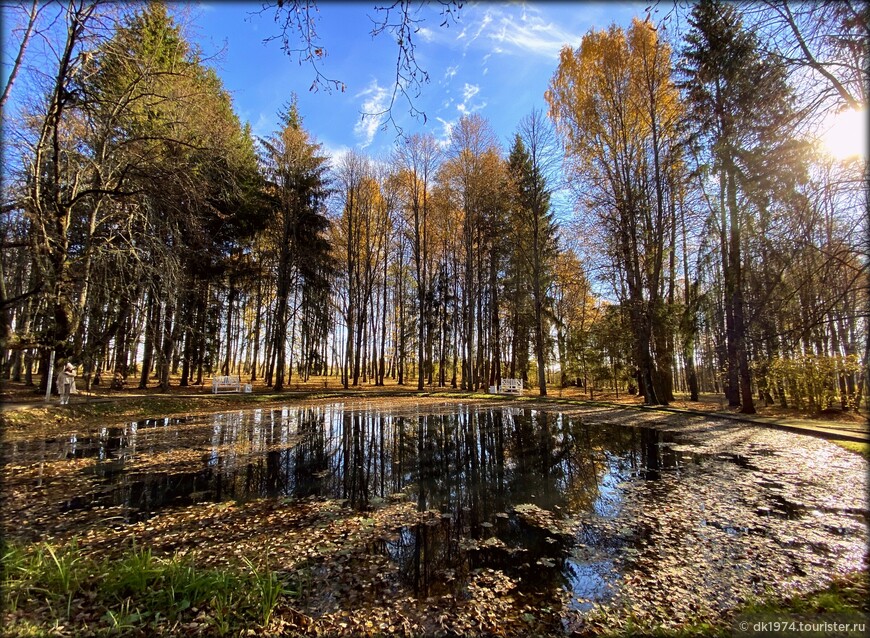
810	379
607	96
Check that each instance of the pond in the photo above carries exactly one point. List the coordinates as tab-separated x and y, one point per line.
575	513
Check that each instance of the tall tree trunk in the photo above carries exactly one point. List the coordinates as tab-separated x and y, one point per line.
231	299
170	336
258	314
739	328
382	360
152	326
732	383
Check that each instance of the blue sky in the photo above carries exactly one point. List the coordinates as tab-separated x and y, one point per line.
496	60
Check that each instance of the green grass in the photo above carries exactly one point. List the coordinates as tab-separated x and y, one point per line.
850	594
45	586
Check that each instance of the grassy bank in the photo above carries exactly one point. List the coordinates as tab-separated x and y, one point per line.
858	448
141	407
48	587
846	596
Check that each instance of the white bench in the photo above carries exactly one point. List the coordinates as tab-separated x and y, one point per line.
511	386
226	384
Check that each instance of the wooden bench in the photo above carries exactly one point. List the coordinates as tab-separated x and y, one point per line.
511	386
226	384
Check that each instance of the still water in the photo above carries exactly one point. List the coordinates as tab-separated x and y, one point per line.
542	495
468	462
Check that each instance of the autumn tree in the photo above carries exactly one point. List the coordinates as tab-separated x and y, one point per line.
575	311
473	172
361	236
618	112
416	161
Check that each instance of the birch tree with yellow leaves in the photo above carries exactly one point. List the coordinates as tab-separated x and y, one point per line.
618	113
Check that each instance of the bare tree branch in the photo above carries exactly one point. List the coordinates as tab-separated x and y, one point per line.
399	20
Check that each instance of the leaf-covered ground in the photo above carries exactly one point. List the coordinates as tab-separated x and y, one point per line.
748	512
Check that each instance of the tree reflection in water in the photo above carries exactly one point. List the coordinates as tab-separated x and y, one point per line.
506	483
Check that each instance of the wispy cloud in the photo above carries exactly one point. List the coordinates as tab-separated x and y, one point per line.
485	21
484	62
469	92
531	33
426	34
375	101
518	29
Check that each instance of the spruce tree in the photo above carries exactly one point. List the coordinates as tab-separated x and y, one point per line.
738	100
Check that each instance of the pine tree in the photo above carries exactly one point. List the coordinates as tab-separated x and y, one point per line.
298	188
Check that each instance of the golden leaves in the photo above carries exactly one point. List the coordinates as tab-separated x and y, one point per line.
605	95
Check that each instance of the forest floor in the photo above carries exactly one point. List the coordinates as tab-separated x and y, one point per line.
715	548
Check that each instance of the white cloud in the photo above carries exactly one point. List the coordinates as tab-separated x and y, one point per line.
451	72
469	92
532	34
375	102
443	140
426	34
487	20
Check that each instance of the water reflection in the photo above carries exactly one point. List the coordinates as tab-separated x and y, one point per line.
506	483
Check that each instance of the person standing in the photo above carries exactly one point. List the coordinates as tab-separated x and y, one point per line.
66	383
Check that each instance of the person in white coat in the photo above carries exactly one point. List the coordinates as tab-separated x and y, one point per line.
66	383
